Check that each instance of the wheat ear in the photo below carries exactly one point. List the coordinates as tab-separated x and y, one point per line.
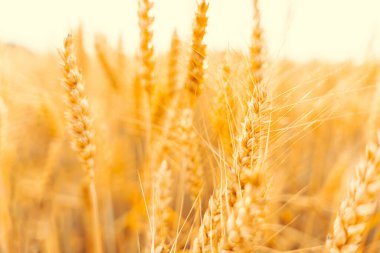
209	233
247	193
161	209
81	52
79	121
358	206
189	142
167	99
256	49
223	110
101	52
146	45
195	71
5	214
248	187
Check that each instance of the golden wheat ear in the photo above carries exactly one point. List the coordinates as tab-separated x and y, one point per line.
210	231
166	99
351	222
82	135
102	52
5	214
224	111
196	68
146	45
161	207
247	191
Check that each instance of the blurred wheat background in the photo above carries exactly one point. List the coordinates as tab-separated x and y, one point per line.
249	132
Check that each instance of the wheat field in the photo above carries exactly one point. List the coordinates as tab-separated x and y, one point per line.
191	150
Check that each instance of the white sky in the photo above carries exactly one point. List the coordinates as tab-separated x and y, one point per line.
301	29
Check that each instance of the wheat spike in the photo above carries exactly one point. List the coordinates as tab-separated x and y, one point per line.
5	214
167	98
81	132
358	206
101	48
196	68
256	49
247	191
209	233
81	52
224	110
161	209
146	45
189	143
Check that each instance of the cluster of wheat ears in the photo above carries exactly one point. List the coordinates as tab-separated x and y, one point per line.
250	154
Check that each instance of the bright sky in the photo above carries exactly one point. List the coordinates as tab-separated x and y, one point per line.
301	29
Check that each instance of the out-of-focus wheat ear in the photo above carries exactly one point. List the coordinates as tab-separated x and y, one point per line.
102	52
188	141
80	49
6	225
256	49
175	49
146	45
161	210
166	98
224	111
139	108
350	224
196	68
121	59
82	135
209	233
374	113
